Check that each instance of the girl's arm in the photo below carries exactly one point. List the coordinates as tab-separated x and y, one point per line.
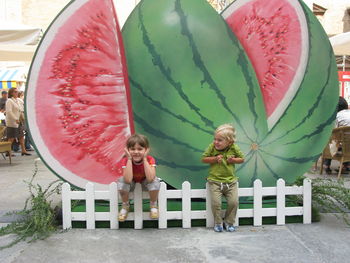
127	171
150	171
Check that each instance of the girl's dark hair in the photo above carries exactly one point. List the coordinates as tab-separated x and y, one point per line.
137	139
342	104
10	93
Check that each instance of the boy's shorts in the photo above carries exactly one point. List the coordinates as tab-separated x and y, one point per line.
152	186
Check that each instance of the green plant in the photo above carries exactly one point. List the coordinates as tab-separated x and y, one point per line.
37	219
329	196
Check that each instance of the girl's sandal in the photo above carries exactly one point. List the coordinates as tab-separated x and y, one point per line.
154	212
123	215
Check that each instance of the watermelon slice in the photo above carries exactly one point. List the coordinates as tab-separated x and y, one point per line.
302	117
77	99
274	34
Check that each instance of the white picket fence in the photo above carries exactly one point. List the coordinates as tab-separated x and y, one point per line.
185	194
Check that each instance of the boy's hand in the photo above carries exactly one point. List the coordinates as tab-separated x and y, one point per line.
219	158
230	159
127	153
233	159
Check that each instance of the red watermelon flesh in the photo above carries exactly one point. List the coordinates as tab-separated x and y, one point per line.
274	35
82	102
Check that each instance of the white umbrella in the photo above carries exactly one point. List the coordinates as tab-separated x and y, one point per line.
341	44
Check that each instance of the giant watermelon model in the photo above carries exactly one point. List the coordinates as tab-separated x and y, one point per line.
77	101
188	75
190	71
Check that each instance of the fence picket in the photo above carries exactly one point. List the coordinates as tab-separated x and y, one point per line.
307	201
113	206
90	206
66	206
210	217
281	202
237	218
186	215
257	203
186	205
162	207
138	213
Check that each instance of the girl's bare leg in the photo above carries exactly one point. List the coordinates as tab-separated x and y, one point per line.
153	196
124	195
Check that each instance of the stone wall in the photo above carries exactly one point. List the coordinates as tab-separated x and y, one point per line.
40	13
336	20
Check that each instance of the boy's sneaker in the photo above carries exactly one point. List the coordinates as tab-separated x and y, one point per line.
230	228
218	228
154	212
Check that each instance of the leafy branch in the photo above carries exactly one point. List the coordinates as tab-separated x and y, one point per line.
330	196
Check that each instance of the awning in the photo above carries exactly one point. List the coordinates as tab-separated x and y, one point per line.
19	34
10	77
17	52
5	85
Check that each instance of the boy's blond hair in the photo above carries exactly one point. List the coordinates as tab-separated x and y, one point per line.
227	131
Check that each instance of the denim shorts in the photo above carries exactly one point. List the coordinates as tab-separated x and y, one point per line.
146	186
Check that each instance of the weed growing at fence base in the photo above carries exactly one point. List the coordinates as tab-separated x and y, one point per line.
329	196
37	219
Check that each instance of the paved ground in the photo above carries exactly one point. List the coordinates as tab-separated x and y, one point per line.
325	241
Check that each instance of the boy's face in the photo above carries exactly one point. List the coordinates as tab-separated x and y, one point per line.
137	152
220	143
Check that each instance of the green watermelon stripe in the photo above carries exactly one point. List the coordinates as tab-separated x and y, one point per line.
160	107
274	174
310	112
161	135
243	62
199	63
178	166
318	130
255	173
293	159
157	61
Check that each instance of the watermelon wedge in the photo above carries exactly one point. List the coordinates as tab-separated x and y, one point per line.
274	34
77	100
285	38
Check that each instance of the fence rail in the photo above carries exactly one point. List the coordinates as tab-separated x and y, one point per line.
185	194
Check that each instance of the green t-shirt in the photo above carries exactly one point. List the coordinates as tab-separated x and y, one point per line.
223	172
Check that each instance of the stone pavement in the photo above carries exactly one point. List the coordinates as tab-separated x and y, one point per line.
325	241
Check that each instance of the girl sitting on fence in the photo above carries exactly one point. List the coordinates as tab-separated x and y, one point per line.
138	167
222	155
